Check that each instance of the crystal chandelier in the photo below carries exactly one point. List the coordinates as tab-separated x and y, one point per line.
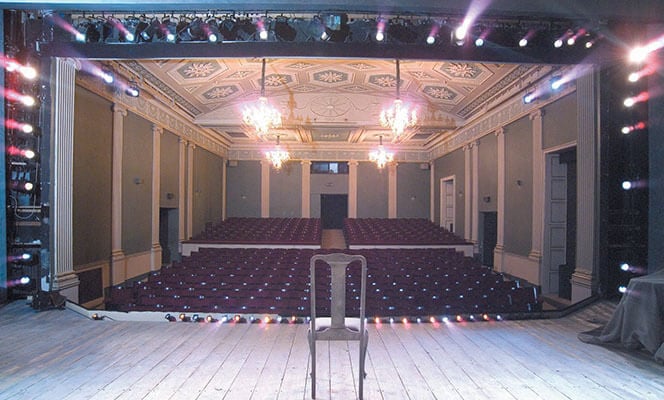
277	156
398	117
262	116
380	156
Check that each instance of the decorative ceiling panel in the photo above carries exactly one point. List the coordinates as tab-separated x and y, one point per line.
329	100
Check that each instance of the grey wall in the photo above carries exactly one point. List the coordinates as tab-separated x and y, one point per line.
559	123
451	164
243	185
412	191
372	191
208	179
92	178
326	184
286	191
487	172
518	198
169	170
136	185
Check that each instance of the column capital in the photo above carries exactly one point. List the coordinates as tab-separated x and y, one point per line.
353	163
182	141
157	129
536	114
305	162
119	109
499	131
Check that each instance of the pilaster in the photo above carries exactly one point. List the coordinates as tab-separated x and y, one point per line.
352	189
467	191
500	201
155	250
182	192
118	262
475	198
190	190
584	278
265	188
65	280
306	188
392	190
538	188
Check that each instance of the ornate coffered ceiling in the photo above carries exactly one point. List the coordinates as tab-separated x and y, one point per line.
332	102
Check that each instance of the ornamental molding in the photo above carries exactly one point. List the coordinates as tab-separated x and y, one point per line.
155	112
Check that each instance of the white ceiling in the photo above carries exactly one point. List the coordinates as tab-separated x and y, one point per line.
332	101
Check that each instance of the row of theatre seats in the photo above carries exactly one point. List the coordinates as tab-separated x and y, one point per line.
247	230
396	231
401	282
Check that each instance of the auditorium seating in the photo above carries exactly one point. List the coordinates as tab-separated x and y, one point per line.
401	282
263	231
397	231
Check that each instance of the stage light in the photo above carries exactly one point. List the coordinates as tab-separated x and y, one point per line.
459	318
404	321
391	320
183	317
197	318
558	43
14	151
629	102
132	90
499	317
625	267
237	318
460	34
529	98
479	42
24	280
170	318
622	289
21	186
283	31
523	42
638	54
106	75
210	319
472	317
446	319
633	77
380	29
571	41
96	317
485	316
556	82
627	185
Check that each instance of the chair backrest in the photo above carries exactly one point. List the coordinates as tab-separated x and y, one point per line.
339	263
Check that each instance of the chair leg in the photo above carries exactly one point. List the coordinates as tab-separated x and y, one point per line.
312	351
363	356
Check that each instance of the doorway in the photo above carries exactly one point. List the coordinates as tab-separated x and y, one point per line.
333	210
168	235
447	205
559	247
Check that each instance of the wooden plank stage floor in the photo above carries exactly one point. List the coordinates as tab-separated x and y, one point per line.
61	354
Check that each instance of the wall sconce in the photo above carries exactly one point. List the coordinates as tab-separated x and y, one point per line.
138	181
519	182
487	199
170	196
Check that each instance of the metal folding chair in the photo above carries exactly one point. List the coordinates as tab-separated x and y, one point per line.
338	326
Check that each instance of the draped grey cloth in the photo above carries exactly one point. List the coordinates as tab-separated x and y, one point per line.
638	321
